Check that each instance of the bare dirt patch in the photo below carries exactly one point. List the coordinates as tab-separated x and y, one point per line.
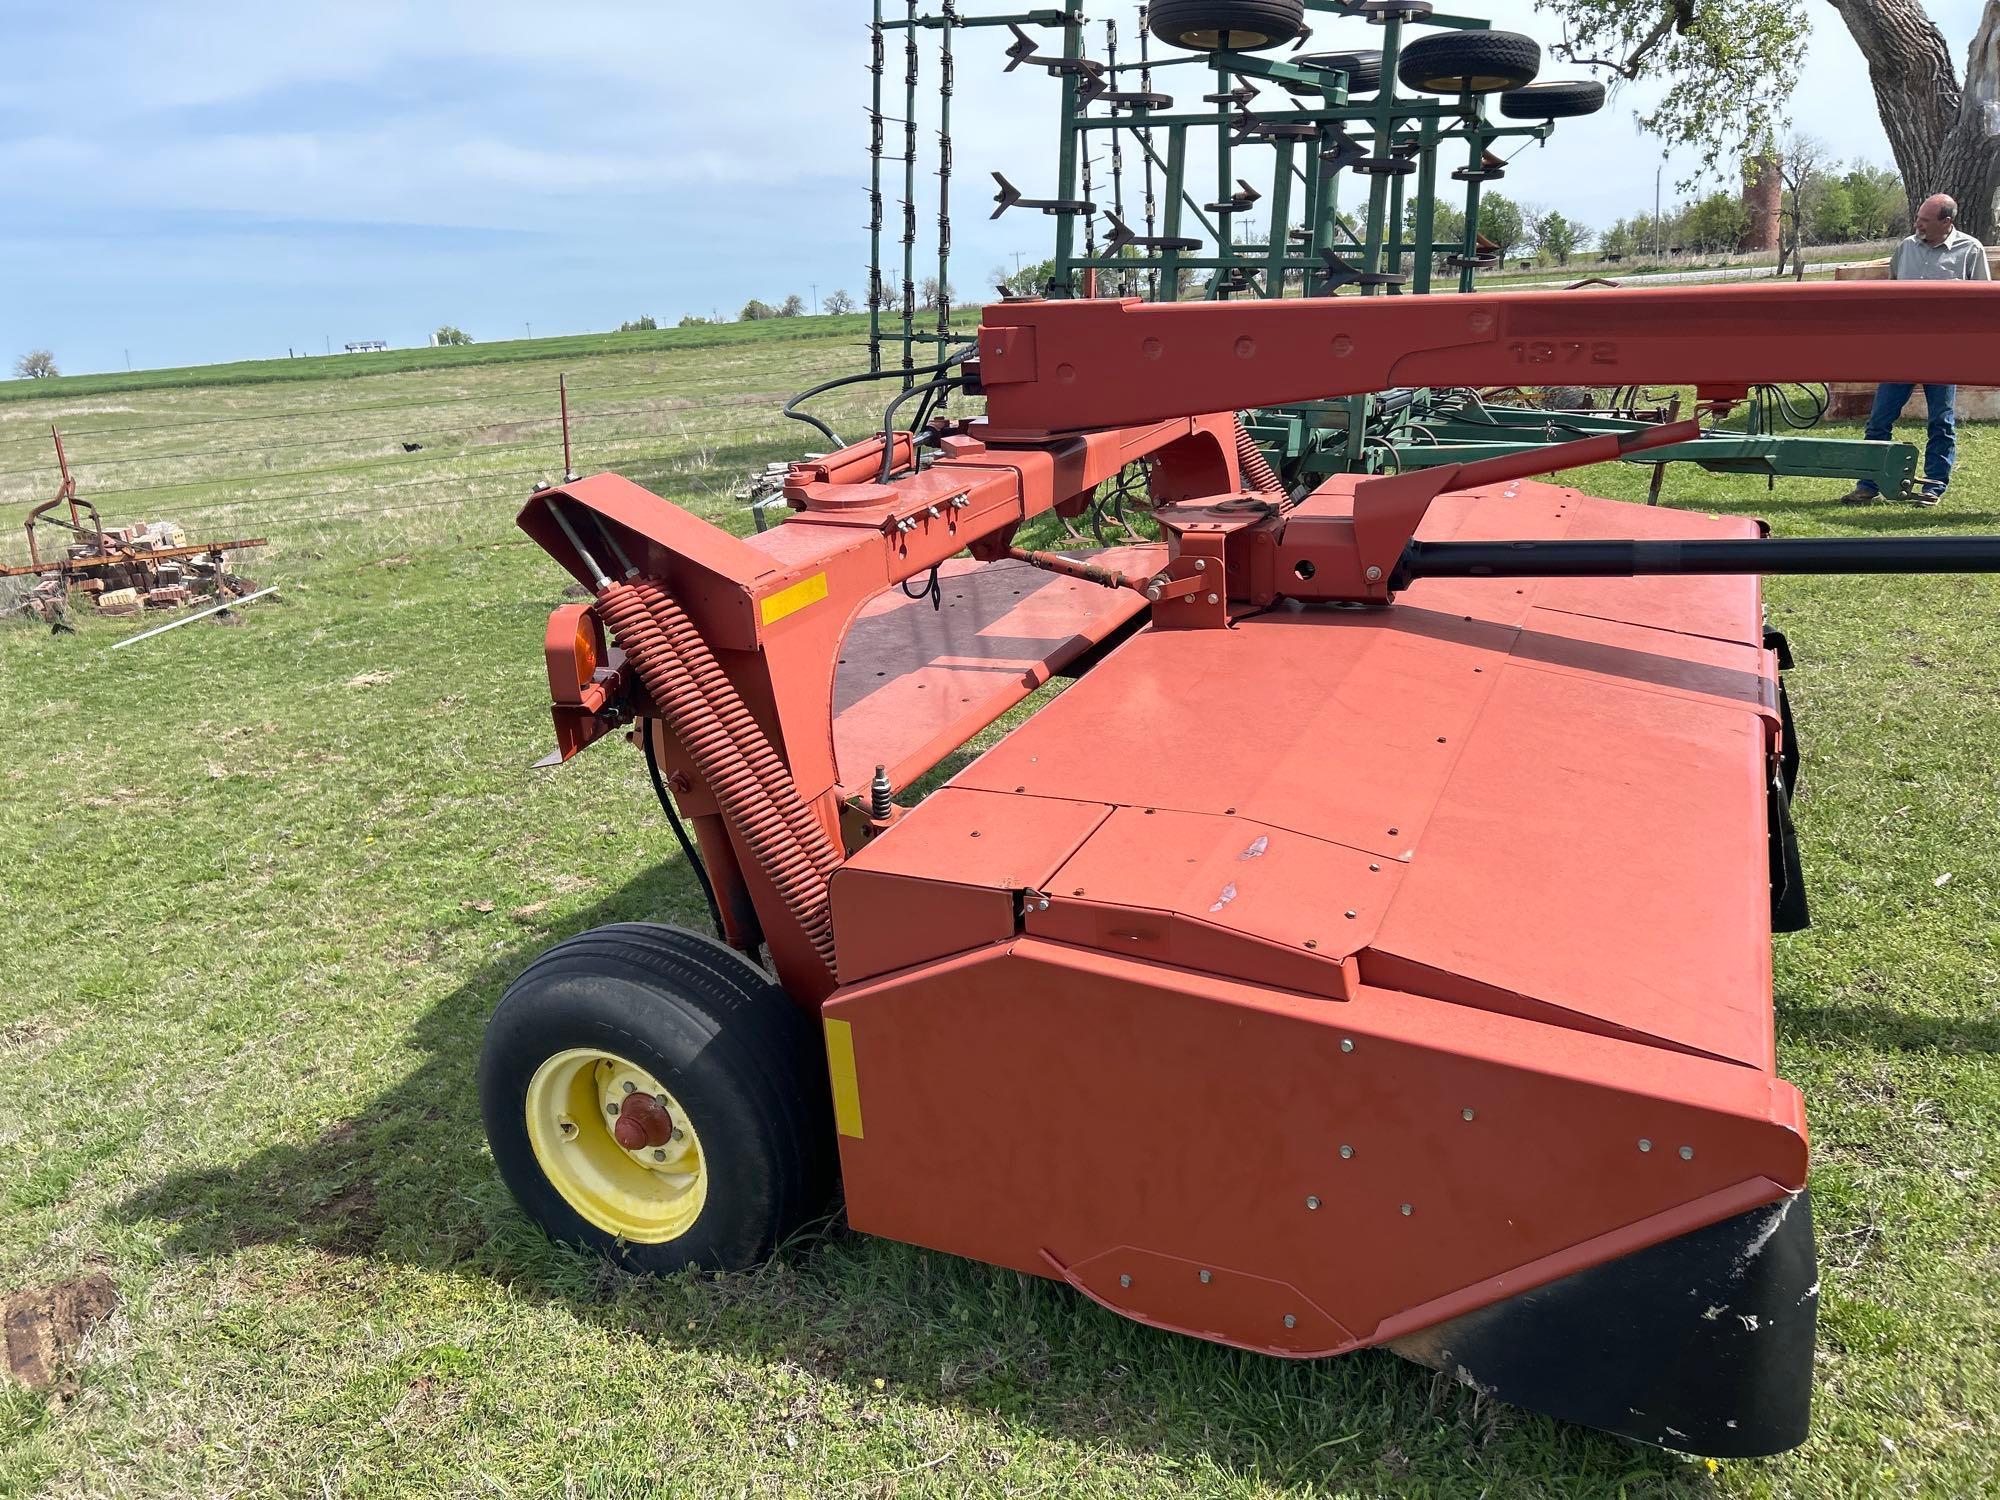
349	1223
24	1033
46	1324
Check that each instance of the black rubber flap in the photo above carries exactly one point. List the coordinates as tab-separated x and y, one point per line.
1702	1343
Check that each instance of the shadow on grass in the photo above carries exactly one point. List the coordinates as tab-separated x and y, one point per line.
1884	1029
408	1181
1888	518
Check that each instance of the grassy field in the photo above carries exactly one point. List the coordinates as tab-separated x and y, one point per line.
262	885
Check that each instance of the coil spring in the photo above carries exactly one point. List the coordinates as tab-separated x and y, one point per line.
1257	471
648	635
720	693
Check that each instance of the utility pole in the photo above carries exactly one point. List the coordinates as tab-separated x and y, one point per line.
531	329
1656	209
815	291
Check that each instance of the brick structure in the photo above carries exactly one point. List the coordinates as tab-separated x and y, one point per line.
1763	203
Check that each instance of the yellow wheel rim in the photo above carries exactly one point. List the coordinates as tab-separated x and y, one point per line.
648	1196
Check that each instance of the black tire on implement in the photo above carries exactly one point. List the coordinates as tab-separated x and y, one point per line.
1474	62
736	1055
1232	25
1553	101
1363	70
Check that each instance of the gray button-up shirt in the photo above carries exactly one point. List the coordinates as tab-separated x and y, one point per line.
1959	258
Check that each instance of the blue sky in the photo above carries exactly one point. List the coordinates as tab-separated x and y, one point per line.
229	180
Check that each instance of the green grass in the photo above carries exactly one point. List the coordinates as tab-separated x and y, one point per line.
262	884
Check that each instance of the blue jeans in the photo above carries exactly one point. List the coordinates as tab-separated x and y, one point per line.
1941	437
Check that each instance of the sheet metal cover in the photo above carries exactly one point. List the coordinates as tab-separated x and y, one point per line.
1601	847
1582	816
915	681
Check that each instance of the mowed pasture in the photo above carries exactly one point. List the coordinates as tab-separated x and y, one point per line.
262	884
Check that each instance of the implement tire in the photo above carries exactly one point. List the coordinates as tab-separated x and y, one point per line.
1470	62
1227	25
1363	70
1553	101
728	1146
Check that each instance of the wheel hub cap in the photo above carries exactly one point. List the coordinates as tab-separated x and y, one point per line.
616	1145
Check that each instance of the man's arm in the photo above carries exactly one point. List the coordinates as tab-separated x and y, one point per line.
1976	268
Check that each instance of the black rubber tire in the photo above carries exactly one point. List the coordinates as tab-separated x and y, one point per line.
720	1037
1553	101
1363	70
1477	62
1232	25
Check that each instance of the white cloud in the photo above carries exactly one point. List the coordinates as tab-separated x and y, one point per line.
687	154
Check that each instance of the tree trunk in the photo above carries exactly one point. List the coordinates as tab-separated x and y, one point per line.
1946	138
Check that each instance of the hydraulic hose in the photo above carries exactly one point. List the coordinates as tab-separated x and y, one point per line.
647	624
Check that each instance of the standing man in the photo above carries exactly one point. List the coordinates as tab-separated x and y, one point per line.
1938	251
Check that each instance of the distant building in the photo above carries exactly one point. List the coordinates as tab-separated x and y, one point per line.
368	346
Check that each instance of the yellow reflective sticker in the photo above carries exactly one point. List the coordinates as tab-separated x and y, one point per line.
791	600
840	1066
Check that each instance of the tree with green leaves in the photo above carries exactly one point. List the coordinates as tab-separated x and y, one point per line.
1032	280
1830	218
1555	237
1881	207
1799	170
755	311
1500	220
1447	224
449	337
645	323
1729	67
1714	223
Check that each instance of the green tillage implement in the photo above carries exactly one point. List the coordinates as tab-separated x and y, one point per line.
1421	429
1422	95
